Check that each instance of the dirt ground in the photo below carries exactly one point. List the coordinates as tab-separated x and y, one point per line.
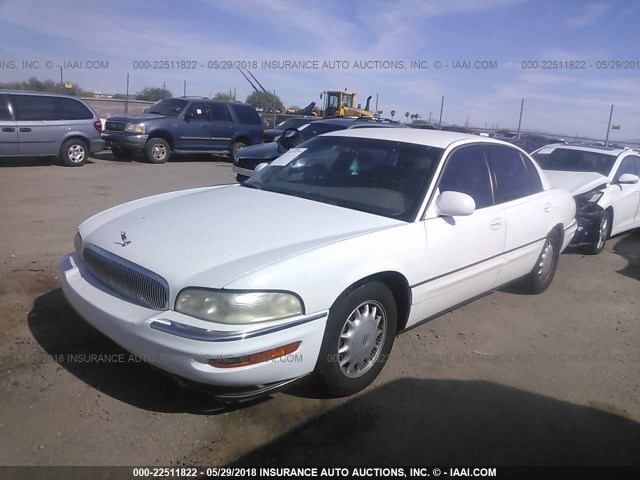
509	379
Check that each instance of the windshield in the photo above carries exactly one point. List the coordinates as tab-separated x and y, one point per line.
169	106
382	177
569	160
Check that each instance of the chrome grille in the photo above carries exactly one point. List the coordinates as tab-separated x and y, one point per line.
115	126
133	282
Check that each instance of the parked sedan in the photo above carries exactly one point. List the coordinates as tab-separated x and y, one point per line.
358	235
605	184
272	134
250	157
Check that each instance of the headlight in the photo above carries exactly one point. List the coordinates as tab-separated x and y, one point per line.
237	307
134	128
77	243
587	198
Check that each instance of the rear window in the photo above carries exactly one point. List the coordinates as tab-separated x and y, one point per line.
246	114
5	114
570	160
72	109
35	107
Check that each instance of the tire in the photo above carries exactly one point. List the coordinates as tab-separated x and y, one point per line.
157	150
350	331
544	270
119	152
604	230
74	152
235	148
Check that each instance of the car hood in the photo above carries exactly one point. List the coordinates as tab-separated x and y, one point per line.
262	151
141	117
213	236
575	182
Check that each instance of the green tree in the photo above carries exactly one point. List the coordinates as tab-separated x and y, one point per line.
265	101
227	97
36	85
153	94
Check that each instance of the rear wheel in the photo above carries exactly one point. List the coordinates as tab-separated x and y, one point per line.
74	152
358	338
604	229
157	150
545	268
235	148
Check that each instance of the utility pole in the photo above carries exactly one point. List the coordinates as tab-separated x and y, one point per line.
606	141
61	79
441	108
126	98
429	117
376	110
520	120
274	108
184	89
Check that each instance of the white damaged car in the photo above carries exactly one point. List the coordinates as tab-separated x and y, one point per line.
604	182
320	259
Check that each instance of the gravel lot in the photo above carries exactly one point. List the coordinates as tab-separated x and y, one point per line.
508	379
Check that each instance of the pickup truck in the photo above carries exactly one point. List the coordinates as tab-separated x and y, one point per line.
184	125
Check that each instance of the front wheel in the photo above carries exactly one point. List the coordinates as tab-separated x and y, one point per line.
157	150
358	338
545	268
74	152
604	226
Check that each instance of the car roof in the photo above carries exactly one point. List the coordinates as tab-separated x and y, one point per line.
586	148
33	92
432	138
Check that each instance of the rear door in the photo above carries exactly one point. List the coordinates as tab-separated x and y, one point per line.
528	209
8	129
39	123
221	126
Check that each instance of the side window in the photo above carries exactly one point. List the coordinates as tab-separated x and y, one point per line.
219	112
5	114
198	111
74	110
35	107
628	165
246	114
515	176
466	171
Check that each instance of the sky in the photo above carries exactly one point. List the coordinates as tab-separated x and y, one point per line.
483	56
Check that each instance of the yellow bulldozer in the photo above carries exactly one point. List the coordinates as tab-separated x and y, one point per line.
342	103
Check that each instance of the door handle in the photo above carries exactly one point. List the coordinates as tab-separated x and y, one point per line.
25	129
548	207
8	129
496	223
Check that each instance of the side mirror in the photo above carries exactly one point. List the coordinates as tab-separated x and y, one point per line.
628	179
260	166
188	116
455	204
289	138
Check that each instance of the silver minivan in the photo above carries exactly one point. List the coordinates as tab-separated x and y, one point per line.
36	124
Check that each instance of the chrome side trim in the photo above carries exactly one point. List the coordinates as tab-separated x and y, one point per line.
203	335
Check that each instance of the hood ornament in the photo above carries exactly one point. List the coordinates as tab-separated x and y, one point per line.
125	242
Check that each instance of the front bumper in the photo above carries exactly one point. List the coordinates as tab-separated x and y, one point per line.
182	345
588	225
125	140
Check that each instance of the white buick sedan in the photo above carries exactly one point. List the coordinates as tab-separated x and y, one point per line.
320	259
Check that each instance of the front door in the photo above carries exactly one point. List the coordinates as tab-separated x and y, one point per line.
464	253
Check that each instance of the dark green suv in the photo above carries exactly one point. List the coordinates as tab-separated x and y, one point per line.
184	125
